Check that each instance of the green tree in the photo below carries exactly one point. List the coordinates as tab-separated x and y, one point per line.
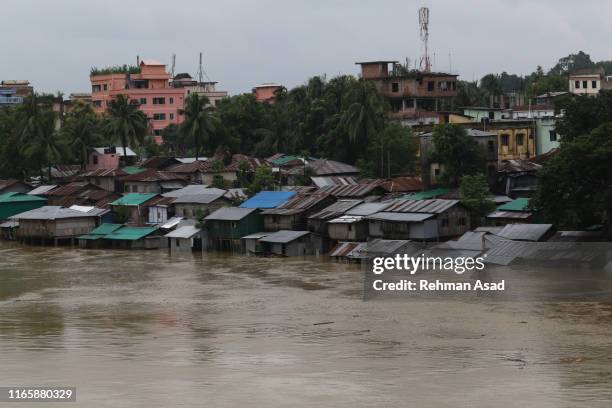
475	194
262	180
81	131
457	152
125	122
392	151
200	122
39	140
575	185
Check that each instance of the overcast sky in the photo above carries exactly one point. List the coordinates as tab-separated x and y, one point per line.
53	43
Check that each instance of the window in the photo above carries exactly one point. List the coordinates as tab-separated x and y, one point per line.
395	87
143	101
552	134
594	84
491	115
97	104
105	87
584	84
437	172
159	116
505	140
520	139
430	86
491	146
577	84
171	101
178	242
127	189
96	88
95	159
134	188
157	132
159	101
171	116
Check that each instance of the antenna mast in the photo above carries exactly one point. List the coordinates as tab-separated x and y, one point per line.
200	70
425	64
173	65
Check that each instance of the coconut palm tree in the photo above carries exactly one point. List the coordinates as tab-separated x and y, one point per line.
36	132
125	122
365	116
200	122
81	131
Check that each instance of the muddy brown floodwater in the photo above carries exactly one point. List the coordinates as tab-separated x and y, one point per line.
146	329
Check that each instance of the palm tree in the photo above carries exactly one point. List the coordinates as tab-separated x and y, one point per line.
37	135
81	131
366	114
125	122
200	121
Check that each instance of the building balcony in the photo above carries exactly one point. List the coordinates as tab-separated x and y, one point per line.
11	100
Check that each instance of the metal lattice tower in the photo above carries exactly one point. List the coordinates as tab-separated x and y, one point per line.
425	63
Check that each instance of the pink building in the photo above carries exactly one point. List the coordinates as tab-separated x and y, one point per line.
266	92
148	84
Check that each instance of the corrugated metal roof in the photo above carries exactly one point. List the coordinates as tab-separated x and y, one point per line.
297	204
105	173
132	169
198	198
525	232
51	212
559	253
100	231
229	214
118	151
268	199
151	175
134	199
346	219
518	166
72	189
385	246
510	214
435	206
425	195
130	233
403	184
18	198
40	190
186	231
343	249
193	189
325	167
333	181
172	222
519	204
335	210
284	236
400	217
369	208
350	190
257	235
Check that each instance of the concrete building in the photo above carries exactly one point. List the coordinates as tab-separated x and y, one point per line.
588	81
410	91
148	85
13	92
266	92
191	86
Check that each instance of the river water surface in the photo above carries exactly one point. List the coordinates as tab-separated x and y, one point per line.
146	329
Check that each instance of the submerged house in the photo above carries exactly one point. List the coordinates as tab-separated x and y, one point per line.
353	225
185	238
54	223
15	203
293	214
516	211
287	243
420	220
94	237
134	238
317	222
159	209
200	205
228	225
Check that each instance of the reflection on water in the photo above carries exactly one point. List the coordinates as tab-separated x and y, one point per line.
144	329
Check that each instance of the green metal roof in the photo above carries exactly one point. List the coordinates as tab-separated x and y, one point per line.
133	169
19	197
133	199
520	204
284	159
101	231
130	233
426	195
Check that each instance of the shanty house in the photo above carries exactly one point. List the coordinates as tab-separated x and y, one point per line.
15	203
353	225
14	186
517	178
265	200
106	179
420	220
287	243
54	223
153	181
135	238
59	195
131	207
200	205
228	224
516	211
94	237
110	157
184	238
159	209
293	214
250	243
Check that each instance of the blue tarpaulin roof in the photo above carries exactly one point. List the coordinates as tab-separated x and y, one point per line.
268	199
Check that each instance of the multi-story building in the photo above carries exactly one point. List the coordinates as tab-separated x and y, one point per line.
207	89
266	92
148	85
12	92
410	91
588	81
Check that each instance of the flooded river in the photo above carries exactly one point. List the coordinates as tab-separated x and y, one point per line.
146	329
